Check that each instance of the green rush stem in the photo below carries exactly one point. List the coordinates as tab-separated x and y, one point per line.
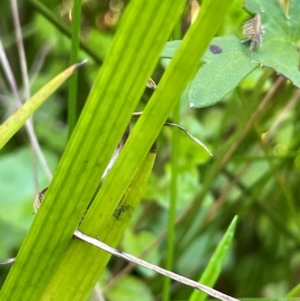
73	82
173	190
45	12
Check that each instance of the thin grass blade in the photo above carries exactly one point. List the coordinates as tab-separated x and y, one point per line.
18	119
214	266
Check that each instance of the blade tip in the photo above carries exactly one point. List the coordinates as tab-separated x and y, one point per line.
81	63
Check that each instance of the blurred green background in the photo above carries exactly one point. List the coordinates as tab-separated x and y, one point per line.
258	181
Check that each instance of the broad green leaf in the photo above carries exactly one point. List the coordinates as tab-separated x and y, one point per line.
222	72
17	120
227	61
214	266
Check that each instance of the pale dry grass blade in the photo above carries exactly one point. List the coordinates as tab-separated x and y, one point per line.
209	291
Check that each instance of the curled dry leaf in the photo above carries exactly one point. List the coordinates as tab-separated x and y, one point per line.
38	200
151	84
7	261
190	135
136	115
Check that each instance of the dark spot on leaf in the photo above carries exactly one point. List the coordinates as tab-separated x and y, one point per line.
120	209
215	49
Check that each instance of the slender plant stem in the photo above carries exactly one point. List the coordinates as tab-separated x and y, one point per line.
253	118
72	103
173	189
64	29
25	80
39	60
223	158
21	51
28	124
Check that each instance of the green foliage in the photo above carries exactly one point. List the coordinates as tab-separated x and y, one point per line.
16	223
227	61
214	266
133	287
73	85
253	136
18	119
221	73
65	215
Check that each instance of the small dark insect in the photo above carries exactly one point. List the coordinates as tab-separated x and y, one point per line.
253	30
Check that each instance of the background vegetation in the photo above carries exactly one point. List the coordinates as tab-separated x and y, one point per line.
254	172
